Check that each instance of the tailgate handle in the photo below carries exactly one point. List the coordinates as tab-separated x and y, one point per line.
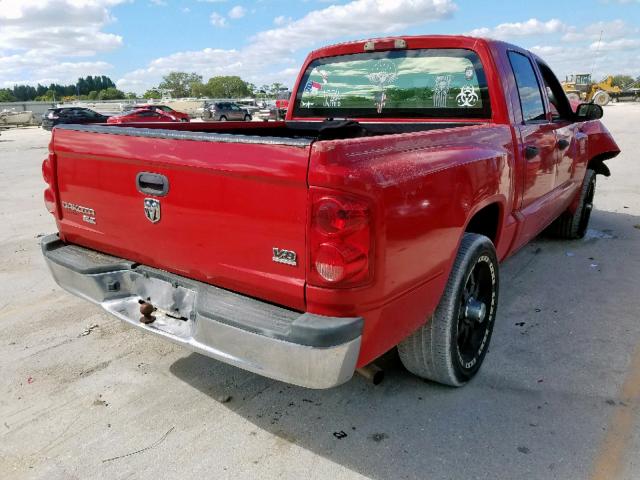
152	183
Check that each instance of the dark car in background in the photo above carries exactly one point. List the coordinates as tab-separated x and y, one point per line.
57	116
223	111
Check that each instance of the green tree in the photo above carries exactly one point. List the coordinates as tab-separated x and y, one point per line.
48	96
110	93
81	88
153	93
81	84
227	87
90	84
23	92
199	89
275	88
623	81
180	83
6	95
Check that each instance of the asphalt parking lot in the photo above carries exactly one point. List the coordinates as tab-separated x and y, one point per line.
82	396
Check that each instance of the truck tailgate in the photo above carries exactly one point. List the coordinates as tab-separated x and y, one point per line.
230	201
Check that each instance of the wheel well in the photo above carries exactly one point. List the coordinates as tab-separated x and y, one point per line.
596	163
485	222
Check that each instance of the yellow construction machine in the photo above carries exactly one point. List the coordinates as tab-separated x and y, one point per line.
580	87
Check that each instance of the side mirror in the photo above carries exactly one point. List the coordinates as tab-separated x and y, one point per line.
589	111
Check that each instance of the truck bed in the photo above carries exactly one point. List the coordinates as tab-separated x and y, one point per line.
236	192
284	133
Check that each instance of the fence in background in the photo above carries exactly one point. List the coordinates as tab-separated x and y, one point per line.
191	106
38	108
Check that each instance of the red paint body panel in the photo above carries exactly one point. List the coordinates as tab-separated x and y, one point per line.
424	187
231	203
218	222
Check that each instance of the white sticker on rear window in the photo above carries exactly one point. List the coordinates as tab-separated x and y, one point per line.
467	96
441	91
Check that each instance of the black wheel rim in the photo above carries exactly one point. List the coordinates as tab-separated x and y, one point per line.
475	313
587	207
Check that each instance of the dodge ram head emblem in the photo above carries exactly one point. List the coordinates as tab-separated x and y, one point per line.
152	209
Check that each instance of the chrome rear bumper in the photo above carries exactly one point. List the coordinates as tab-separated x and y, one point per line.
300	348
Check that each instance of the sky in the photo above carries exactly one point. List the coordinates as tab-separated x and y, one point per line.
136	42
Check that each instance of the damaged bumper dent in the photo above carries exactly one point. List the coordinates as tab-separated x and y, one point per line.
299	348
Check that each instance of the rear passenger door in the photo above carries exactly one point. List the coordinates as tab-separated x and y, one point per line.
236	113
225	111
567	132
84	116
150	116
67	115
538	147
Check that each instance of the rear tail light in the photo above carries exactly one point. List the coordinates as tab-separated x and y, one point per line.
340	239
48	169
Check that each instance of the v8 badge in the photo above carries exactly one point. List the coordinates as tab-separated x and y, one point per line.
288	257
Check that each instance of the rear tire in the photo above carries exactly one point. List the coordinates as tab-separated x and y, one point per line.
223	118
451	346
247	118
572	226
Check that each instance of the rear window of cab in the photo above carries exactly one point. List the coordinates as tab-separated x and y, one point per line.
422	83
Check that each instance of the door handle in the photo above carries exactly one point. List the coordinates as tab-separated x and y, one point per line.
152	183
531	151
562	144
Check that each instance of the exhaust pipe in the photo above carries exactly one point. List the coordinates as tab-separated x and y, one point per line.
372	372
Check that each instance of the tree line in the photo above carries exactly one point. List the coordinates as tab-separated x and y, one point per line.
625	81
183	84
177	84
86	88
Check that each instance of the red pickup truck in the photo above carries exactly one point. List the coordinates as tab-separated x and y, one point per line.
374	216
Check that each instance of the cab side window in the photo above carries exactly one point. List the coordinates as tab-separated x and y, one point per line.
558	102
89	113
529	91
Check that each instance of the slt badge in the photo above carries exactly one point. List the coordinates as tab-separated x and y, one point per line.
152	209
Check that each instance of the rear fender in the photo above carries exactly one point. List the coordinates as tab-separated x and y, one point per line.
425	193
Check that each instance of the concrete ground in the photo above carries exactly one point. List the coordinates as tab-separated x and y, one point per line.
83	396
